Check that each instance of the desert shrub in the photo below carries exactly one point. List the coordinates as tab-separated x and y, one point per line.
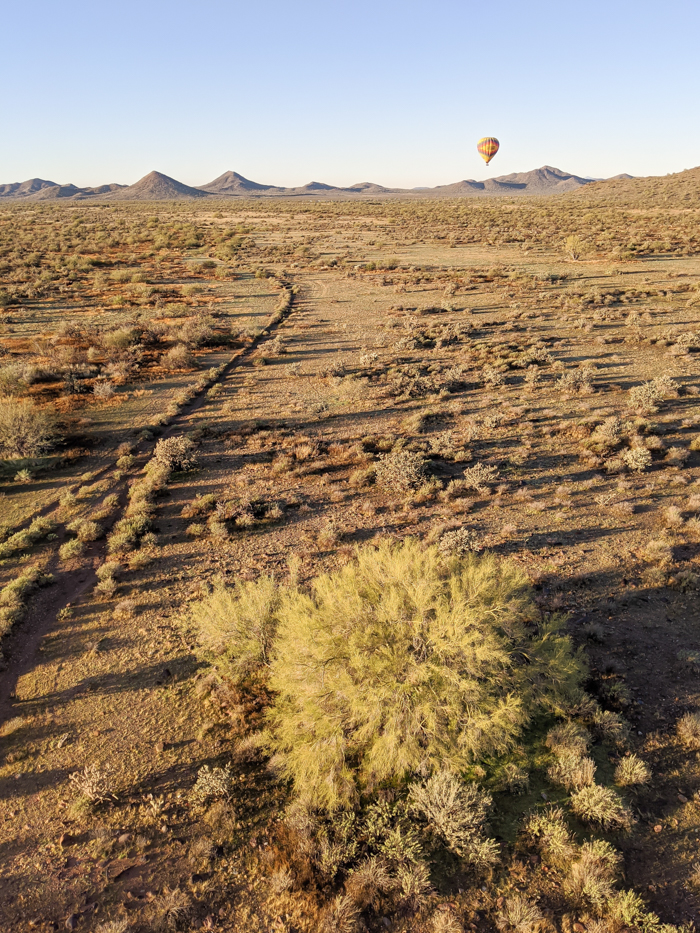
400	470
591	876
212	784
573	246
632	770
456	813
71	549
120	339
601	806
25	430
178	357
547	829
21	540
513	778
637	459
688	729
89	531
401	659
238	625
480	477
460	542
646	397
175	454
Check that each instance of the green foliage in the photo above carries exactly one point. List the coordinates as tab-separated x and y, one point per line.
238	625
402	661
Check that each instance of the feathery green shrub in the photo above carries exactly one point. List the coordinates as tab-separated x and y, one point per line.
401	662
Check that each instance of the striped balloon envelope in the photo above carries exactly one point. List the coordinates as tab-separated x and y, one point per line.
488	147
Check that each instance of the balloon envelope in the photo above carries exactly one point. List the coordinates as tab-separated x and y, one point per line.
488	147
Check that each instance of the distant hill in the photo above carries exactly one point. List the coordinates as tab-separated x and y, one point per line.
158	187
681	189
24	189
232	184
539	181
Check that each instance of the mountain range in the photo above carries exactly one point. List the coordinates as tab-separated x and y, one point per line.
158	187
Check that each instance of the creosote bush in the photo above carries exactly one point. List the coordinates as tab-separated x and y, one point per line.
175	454
25	430
400	663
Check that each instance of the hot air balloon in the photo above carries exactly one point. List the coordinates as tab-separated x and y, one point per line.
488	147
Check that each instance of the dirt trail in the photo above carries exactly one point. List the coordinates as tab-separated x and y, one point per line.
70	585
109	685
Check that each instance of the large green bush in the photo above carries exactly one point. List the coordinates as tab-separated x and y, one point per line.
401	663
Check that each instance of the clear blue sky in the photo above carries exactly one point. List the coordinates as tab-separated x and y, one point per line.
394	92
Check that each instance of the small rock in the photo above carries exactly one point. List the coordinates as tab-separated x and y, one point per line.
500	902
579	928
124	838
657	828
682	798
72	922
65	839
160	747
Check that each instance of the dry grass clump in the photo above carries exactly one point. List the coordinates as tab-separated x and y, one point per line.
114	926
601	806
547	829
572	772
688	729
632	770
591	877
568	738
93	785
518	913
14	595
